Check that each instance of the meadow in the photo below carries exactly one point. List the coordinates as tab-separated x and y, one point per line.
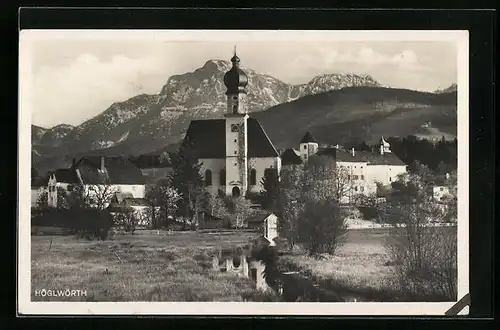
361	269
162	266
146	266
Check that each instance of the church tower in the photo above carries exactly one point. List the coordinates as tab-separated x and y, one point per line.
236	130
384	147
308	147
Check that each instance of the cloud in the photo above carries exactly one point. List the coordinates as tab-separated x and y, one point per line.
86	86
407	59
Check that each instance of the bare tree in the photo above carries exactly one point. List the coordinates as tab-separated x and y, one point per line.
425	255
242	209
164	197
216	207
101	195
326	180
78	197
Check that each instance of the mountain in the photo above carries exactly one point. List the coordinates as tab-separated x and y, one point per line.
36	134
452	88
341	116
145	123
336	108
55	135
358	114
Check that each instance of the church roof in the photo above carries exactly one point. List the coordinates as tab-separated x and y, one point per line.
290	157
208	138
308	138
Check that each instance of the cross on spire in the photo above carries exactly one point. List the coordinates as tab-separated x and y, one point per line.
234	51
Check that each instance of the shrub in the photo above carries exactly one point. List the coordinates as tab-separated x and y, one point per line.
91	223
84	222
369	212
322	227
126	218
425	256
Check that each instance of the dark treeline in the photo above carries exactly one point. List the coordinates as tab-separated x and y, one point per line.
440	156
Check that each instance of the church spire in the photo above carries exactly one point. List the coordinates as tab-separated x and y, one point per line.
235	59
235	79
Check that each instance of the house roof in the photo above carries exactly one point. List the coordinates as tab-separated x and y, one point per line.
308	138
208	138
64	175
290	157
361	156
121	196
136	201
149	161
119	170
259	217
378	159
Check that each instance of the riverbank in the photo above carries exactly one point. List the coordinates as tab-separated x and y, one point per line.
360	270
145	266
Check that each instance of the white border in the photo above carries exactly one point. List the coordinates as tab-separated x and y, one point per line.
25	306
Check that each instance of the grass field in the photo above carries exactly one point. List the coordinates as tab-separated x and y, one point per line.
175	267
145	266
360	269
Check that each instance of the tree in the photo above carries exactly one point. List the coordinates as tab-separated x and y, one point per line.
215	206
42	200
289	202
241	209
269	195
323	179
100	195
78	198
164	196
186	178
425	256
322	227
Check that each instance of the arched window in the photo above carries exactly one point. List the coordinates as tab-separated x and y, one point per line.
222	177
208	178
253	177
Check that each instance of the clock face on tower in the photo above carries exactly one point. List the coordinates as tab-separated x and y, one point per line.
234	128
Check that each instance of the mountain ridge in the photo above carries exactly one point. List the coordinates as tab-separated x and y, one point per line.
328	103
198	94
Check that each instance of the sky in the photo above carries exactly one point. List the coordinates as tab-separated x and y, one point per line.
73	80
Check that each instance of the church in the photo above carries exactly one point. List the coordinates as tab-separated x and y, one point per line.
235	152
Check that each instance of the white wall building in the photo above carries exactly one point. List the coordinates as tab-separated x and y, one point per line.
100	177
363	169
235	152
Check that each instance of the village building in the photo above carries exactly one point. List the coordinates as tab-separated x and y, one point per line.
97	175
267	224
152	166
363	170
235	152
140	207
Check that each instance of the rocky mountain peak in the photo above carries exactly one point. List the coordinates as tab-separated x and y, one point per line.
452	88
199	94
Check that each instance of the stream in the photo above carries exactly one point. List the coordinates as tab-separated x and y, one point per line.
293	286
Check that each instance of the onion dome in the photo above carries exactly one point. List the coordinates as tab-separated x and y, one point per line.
235	79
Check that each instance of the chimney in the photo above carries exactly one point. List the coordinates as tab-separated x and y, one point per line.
103	168
74	162
353	153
